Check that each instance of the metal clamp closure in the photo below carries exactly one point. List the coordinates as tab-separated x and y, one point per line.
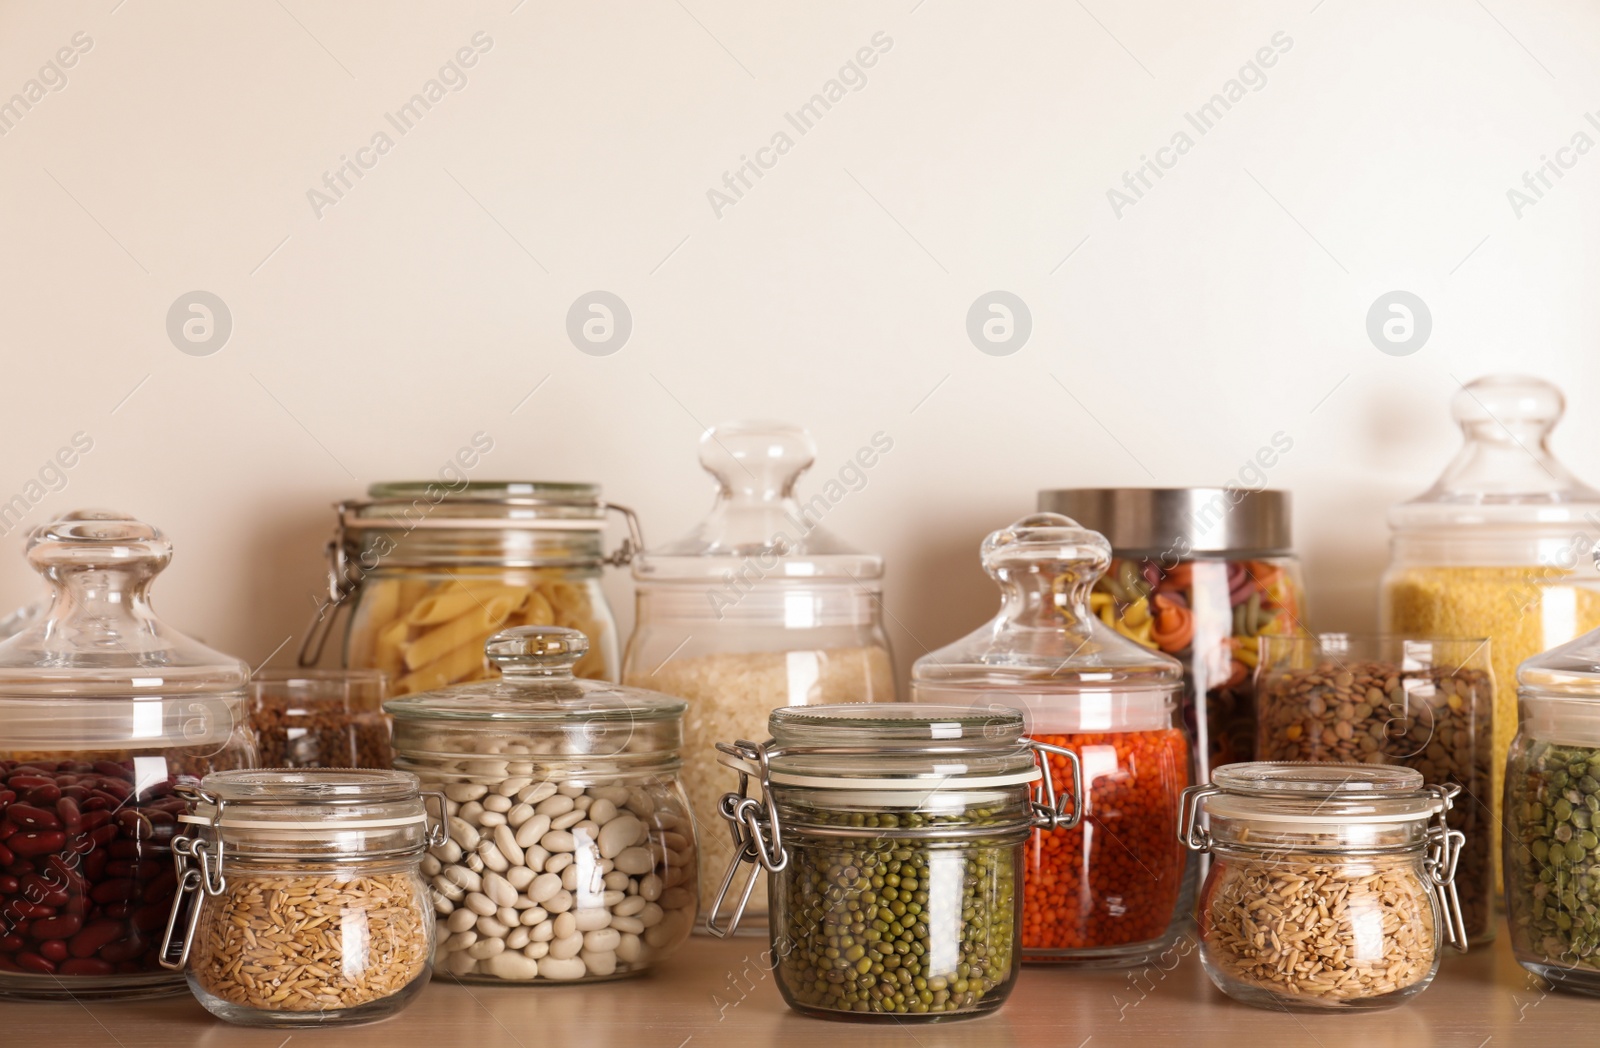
757	834
1192	833
438	829
203	878
1049	815
1444	852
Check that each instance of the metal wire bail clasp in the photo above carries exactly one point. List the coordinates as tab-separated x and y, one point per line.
195	881
757	835
1444	851
1191	833
438	829
1049	815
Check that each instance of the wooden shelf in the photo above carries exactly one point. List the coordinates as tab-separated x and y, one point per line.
715	993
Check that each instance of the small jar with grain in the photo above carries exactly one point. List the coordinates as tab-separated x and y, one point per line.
1331	885
892	835
1112	891
300	901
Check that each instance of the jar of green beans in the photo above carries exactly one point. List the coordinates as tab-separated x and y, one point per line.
892	835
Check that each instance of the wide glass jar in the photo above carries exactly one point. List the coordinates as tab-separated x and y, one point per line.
1331	885
430	571
1112	891
758	608
892	835
104	711
1552	811
1418	702
300	898
1499	546
1201	574
571	854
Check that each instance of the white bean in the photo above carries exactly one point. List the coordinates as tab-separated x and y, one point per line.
602	811
490	928
490	819
534	827
601	940
630	948
567	821
519	815
600	963
592	918
620	833
512	966
506	841
565	924
562	948
628	925
481	904
492	858
461	792
499	889
557	862
517	939
521	876
562	970
483	949
536	793
545	886
461	920
553	806
558	841
538	949
635	861
513	786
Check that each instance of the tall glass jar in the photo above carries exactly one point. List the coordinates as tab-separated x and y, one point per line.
1499	546
1111	891
893	837
1203	575
571	855
758	608
305	902
1552	811
104	711
1418	702
1331	885
430	571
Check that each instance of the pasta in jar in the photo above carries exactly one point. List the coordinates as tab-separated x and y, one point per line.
429	577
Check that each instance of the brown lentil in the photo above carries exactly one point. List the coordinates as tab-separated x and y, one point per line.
294	733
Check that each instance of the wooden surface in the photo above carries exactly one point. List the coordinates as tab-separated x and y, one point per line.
715	993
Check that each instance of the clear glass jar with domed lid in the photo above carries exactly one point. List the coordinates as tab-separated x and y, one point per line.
759	607
1112	891
1499	546
571	856
104	711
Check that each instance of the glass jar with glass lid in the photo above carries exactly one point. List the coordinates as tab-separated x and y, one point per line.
1499	546
1112	891
429	571
305	902
570	855
892	834
1552	808
1331	885
104	711
757	608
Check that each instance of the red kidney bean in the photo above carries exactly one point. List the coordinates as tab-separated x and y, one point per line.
9	885
56	928
36	889
102	834
119	910
89	942
7	857
20	907
46	795
67	811
32	962
27	782
93	820
53	950
122	867
151	916
29	817
113	770
123	950
12	942
7	796
97	804
8	829
34	843
121	849
87	966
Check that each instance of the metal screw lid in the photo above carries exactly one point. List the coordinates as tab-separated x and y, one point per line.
1179	520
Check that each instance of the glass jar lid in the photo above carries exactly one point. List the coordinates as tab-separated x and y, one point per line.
310	813
537	695
1045	646
886	745
758	527
100	638
1306	792
1505	476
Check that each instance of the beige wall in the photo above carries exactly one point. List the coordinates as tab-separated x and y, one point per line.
373	335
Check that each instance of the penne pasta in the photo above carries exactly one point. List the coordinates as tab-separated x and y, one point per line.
456	665
477	624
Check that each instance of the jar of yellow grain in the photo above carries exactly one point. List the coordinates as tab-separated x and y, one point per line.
1499	546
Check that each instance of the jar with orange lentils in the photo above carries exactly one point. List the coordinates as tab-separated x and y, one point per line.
1113	890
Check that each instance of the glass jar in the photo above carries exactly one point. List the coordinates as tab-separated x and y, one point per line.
1331	885
1552	811
892	835
305	903
758	608
571	855
1112	891
1201	574
320	718
1417	702
1498	547
430	572
104	710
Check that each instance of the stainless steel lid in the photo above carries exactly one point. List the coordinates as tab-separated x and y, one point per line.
1180	520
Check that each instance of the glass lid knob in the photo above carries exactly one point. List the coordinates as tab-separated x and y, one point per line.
97	539
536	651
757	461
